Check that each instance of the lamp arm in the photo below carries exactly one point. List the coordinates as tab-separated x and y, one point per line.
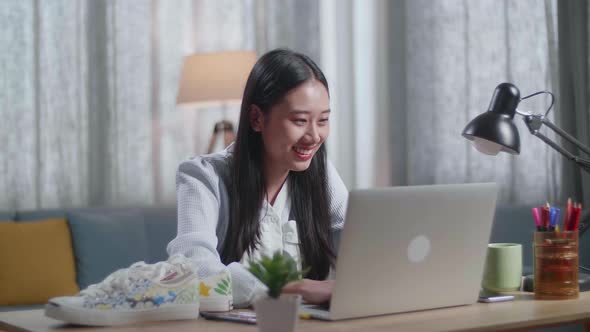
555	146
565	135
534	122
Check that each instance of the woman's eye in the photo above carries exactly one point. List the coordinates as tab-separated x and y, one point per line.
324	121
300	121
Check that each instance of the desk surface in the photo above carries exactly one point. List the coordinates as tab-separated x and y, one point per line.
524	313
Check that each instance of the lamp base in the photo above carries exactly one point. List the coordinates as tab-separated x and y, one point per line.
223	135
528	284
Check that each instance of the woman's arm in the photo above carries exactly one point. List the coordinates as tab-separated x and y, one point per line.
198	203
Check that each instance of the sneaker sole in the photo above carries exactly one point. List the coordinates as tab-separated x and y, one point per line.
97	317
216	304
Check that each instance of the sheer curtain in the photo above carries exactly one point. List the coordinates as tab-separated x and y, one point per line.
439	62
88	89
574	115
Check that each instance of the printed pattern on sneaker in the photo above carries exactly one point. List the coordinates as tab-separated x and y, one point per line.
221	287
145	293
144	286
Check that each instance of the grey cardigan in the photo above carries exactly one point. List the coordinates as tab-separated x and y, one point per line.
203	216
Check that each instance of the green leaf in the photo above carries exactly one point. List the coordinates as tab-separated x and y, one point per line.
219	291
275	271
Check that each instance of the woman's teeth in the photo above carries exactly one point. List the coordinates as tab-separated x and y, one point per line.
302	151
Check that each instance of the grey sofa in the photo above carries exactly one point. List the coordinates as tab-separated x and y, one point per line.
105	239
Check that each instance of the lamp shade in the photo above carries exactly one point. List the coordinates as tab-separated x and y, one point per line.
214	77
494	130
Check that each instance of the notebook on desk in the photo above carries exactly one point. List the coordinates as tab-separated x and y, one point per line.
411	248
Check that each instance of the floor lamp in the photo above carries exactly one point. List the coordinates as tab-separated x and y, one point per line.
212	80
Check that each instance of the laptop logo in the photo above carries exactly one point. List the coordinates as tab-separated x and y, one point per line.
418	249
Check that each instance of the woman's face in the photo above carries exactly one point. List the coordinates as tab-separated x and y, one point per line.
295	128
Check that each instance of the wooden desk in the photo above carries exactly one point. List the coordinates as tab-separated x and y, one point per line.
522	314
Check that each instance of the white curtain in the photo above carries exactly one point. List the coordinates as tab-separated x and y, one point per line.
88	89
407	76
355	57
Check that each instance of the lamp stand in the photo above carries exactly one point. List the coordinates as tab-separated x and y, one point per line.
223	135
223	132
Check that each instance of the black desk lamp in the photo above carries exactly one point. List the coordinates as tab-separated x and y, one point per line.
494	131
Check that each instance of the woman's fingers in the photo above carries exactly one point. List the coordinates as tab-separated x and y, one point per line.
292	287
312	291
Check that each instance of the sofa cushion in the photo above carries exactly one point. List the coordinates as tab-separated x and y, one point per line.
34	215
106	240
36	262
160	223
7	216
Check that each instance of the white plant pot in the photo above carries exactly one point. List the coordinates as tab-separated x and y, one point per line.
277	315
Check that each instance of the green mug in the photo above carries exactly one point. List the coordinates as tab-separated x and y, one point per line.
503	268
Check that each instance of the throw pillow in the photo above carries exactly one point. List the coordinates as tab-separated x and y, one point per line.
105	241
36	262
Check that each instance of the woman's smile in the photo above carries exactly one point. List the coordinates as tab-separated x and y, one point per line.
304	153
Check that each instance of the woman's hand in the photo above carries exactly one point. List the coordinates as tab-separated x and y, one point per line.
312	291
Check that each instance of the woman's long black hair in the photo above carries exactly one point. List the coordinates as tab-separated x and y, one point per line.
274	74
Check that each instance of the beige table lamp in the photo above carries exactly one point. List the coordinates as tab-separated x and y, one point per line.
215	79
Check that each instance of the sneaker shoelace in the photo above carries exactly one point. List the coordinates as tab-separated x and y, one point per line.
123	279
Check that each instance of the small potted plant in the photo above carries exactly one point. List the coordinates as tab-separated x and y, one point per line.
276	313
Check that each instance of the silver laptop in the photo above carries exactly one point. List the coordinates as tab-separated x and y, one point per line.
411	248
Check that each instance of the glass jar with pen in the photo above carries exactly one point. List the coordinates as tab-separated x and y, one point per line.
555	253
556	265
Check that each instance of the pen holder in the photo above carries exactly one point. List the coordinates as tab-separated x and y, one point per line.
556	265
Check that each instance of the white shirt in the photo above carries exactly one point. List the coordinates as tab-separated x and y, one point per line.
277	230
202	185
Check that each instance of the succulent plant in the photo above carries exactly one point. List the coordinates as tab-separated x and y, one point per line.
275	272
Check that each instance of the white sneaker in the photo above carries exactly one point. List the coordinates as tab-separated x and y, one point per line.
144	292
215	292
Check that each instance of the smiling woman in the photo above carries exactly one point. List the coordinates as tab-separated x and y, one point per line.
271	185
252	199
